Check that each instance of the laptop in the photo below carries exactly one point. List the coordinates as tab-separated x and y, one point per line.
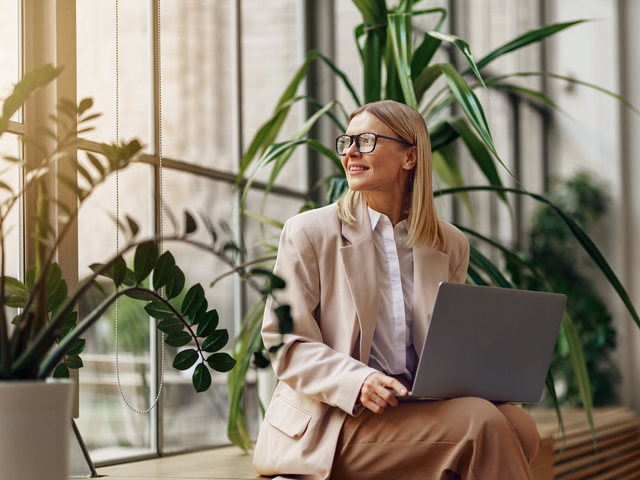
487	342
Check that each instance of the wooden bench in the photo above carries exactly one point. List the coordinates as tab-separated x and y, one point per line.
618	437
617	432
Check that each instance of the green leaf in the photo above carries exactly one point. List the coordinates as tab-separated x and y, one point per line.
524	40
29	84
221	362
423	82
275	282
263	219
15	287
570	80
400	30
475	276
56	298
270	130
260	360
53	278
116	270
216	341
372	63
129	278
96	163
30	277
159	311
472	109
132	225
441	135
171	325
200	315
374	12
4	186
480	154
74	362
488	267
61	371
423	55
164	270
577	232
175	285
285	322
77	348
14	302
190	223
192	300
207	326
68	324
551	388
144	260
446	167
178	339
201	378
337	189
142	295
85	104
464	48
185	359
579	365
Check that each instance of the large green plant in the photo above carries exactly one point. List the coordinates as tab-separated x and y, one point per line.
555	252
45	339
389	50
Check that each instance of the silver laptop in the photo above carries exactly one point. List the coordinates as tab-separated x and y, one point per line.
492	343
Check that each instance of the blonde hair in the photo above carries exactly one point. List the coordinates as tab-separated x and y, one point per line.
422	220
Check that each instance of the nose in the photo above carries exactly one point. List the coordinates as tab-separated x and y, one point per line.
352	151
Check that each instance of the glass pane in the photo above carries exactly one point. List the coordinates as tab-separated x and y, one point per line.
108	427
196	82
9	51
198	419
271	46
10	175
96	67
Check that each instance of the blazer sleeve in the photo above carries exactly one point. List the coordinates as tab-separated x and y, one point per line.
305	363
459	274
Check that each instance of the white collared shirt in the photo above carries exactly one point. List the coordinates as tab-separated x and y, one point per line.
392	349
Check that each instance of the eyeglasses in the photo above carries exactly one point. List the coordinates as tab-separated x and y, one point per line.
365	142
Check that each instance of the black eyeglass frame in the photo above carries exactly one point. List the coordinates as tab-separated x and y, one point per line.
375	142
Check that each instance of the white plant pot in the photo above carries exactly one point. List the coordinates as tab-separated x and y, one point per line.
35	421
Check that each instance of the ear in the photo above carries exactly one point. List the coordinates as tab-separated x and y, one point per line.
411	158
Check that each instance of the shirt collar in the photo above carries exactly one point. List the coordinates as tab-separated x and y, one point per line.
374	216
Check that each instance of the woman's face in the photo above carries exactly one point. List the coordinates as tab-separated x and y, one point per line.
383	170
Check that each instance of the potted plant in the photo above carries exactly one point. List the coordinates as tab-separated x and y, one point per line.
43	341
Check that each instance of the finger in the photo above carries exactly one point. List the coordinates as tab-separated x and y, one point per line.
387	396
374	407
378	400
394	384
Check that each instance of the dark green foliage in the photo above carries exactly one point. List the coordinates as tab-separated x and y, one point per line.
557	256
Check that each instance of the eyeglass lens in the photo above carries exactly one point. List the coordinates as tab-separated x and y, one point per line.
365	143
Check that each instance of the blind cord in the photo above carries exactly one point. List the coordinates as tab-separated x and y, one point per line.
160	201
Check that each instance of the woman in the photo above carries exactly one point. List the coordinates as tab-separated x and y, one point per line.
362	277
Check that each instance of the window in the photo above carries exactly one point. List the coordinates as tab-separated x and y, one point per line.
197	97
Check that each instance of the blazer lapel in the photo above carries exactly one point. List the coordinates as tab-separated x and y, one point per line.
359	263
431	267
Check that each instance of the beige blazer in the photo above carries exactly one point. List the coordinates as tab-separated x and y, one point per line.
332	288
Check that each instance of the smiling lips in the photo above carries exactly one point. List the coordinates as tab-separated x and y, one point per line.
356	169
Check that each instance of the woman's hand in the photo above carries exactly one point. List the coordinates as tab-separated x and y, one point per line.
376	392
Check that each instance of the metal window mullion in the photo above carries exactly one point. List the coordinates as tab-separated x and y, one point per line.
240	291
155	423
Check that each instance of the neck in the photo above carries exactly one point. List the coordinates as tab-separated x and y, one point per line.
390	204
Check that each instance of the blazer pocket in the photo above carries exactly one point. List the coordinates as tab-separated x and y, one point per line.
287	417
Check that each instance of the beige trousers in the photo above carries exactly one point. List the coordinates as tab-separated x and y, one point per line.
467	438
